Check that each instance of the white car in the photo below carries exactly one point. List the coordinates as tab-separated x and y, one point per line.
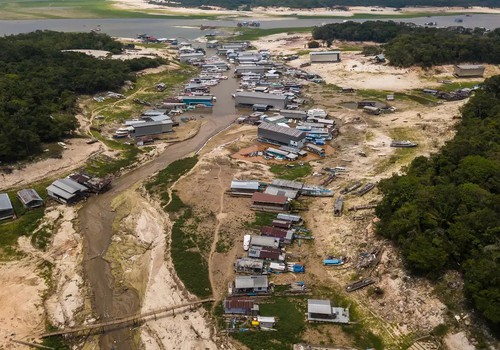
246	242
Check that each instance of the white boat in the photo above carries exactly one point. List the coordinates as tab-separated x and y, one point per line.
246	242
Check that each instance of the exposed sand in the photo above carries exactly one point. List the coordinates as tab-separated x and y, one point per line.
76	154
357	71
285	11
22	308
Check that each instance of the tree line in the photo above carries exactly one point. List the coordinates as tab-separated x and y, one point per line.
444	212
406	44
234	4
39	84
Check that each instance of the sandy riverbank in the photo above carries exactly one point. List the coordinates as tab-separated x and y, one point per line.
286	11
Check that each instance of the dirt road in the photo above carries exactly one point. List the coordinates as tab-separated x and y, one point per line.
96	220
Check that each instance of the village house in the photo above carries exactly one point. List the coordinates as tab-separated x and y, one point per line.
280	135
244	187
6	208
30	198
322	311
269	202
240	306
248	265
66	191
324	56
250	285
266	253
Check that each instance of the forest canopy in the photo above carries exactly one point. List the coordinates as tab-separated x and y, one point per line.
39	84
233	4
407	45
444	212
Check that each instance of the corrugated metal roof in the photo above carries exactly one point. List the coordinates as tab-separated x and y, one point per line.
250	282
289	193
316	306
273	231
73	185
27	195
249	263
58	192
264	241
470	66
245	185
260	95
268	198
288	184
288	217
320	53
281	129
266	319
238	303
5	203
146	124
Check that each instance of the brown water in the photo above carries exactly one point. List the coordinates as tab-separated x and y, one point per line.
96	219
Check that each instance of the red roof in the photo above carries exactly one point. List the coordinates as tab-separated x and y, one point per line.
259	197
238	303
273	232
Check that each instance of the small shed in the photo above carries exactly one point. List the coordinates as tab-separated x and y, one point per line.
468	70
288	217
322	311
6	208
266	321
30	198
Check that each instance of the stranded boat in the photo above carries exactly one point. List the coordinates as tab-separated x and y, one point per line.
404	144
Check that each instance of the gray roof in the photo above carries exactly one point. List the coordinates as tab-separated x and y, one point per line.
287	184
69	185
27	195
470	66
249	263
264	241
291	111
146	124
288	217
261	95
59	192
319	53
5	203
282	129
317	306
250	282
289	193
245	185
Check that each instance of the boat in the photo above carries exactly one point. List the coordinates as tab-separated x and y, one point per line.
359	284
403	144
246	242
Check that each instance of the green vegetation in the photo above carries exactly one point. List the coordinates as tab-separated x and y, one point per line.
444	212
246	4
290	325
24	224
160	184
291	171
54	9
261	219
189	263
256	33
40	84
188	246
408	45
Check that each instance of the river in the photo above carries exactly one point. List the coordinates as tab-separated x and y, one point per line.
189	28
96	219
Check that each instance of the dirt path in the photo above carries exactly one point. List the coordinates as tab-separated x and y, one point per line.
220	216
96	220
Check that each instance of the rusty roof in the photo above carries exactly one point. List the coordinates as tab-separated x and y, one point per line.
268	198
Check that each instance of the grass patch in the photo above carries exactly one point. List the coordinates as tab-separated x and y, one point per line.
373	94
25	223
458	85
261	219
350	47
188	261
54	9
291	171
160	184
256	33
175	204
290	325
